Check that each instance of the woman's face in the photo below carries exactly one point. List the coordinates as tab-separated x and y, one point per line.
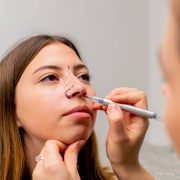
170	64
50	102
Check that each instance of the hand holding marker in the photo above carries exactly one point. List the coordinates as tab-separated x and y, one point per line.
134	110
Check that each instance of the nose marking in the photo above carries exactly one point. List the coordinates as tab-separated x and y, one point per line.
69	83
66	92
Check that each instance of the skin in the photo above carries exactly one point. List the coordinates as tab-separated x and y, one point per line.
126	134
35	97
41	101
170	65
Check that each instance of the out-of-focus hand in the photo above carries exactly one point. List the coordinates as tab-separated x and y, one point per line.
126	131
54	166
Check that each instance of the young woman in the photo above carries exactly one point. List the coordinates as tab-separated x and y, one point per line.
46	122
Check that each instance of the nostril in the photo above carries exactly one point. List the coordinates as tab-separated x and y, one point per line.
75	94
77	89
84	92
71	92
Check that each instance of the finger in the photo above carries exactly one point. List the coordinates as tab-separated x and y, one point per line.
97	106
115	118
71	157
53	159
138	99
119	91
53	149
38	170
115	92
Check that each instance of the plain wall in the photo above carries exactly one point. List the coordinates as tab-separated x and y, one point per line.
112	36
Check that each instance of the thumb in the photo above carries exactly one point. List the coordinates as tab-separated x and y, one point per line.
71	157
115	118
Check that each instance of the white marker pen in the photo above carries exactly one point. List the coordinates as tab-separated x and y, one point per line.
125	107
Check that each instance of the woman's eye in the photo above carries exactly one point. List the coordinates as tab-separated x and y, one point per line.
50	78
85	77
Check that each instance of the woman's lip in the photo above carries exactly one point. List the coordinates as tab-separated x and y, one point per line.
80	109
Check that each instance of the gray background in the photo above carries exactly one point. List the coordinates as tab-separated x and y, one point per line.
118	40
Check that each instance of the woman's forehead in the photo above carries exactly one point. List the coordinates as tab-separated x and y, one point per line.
57	55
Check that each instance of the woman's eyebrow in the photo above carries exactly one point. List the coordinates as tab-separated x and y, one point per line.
76	67
80	66
46	67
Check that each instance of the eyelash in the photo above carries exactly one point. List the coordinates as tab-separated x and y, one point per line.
49	76
85	77
52	77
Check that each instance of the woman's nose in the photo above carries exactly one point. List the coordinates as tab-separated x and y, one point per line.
76	89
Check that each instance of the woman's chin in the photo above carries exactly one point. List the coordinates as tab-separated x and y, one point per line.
77	137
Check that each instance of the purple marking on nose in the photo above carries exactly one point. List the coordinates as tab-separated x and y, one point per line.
68	82
67	94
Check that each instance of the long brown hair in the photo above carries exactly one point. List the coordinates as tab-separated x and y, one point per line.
13	161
